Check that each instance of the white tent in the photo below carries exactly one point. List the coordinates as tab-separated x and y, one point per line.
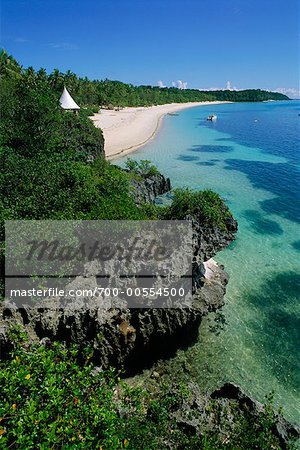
66	101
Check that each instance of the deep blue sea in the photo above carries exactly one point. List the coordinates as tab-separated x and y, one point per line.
250	156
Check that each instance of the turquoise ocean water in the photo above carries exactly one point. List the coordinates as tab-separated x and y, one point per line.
250	156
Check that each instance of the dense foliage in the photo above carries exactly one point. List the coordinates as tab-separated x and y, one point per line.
143	168
206	206
108	93
33	123
54	398
59	188
115	93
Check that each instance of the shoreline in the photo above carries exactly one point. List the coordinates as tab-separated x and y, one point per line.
130	128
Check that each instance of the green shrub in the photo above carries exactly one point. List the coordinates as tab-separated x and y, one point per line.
144	168
206	206
57	187
29	116
89	110
77	135
54	398
50	401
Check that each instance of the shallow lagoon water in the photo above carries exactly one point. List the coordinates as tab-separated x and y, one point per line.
250	156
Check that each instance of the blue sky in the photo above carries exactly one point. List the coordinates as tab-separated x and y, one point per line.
205	43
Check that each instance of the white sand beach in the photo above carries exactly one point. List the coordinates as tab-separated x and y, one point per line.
130	128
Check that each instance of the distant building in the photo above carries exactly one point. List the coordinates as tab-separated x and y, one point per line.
66	101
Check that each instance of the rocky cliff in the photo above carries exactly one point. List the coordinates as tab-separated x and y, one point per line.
148	188
225	411
123	337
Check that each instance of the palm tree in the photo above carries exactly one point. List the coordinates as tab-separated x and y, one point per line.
71	81
56	79
42	74
8	65
29	74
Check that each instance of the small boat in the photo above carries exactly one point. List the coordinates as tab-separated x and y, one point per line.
212	117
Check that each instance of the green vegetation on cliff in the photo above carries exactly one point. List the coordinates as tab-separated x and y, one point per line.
205	206
54	398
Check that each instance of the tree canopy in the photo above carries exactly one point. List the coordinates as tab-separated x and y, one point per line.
110	93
